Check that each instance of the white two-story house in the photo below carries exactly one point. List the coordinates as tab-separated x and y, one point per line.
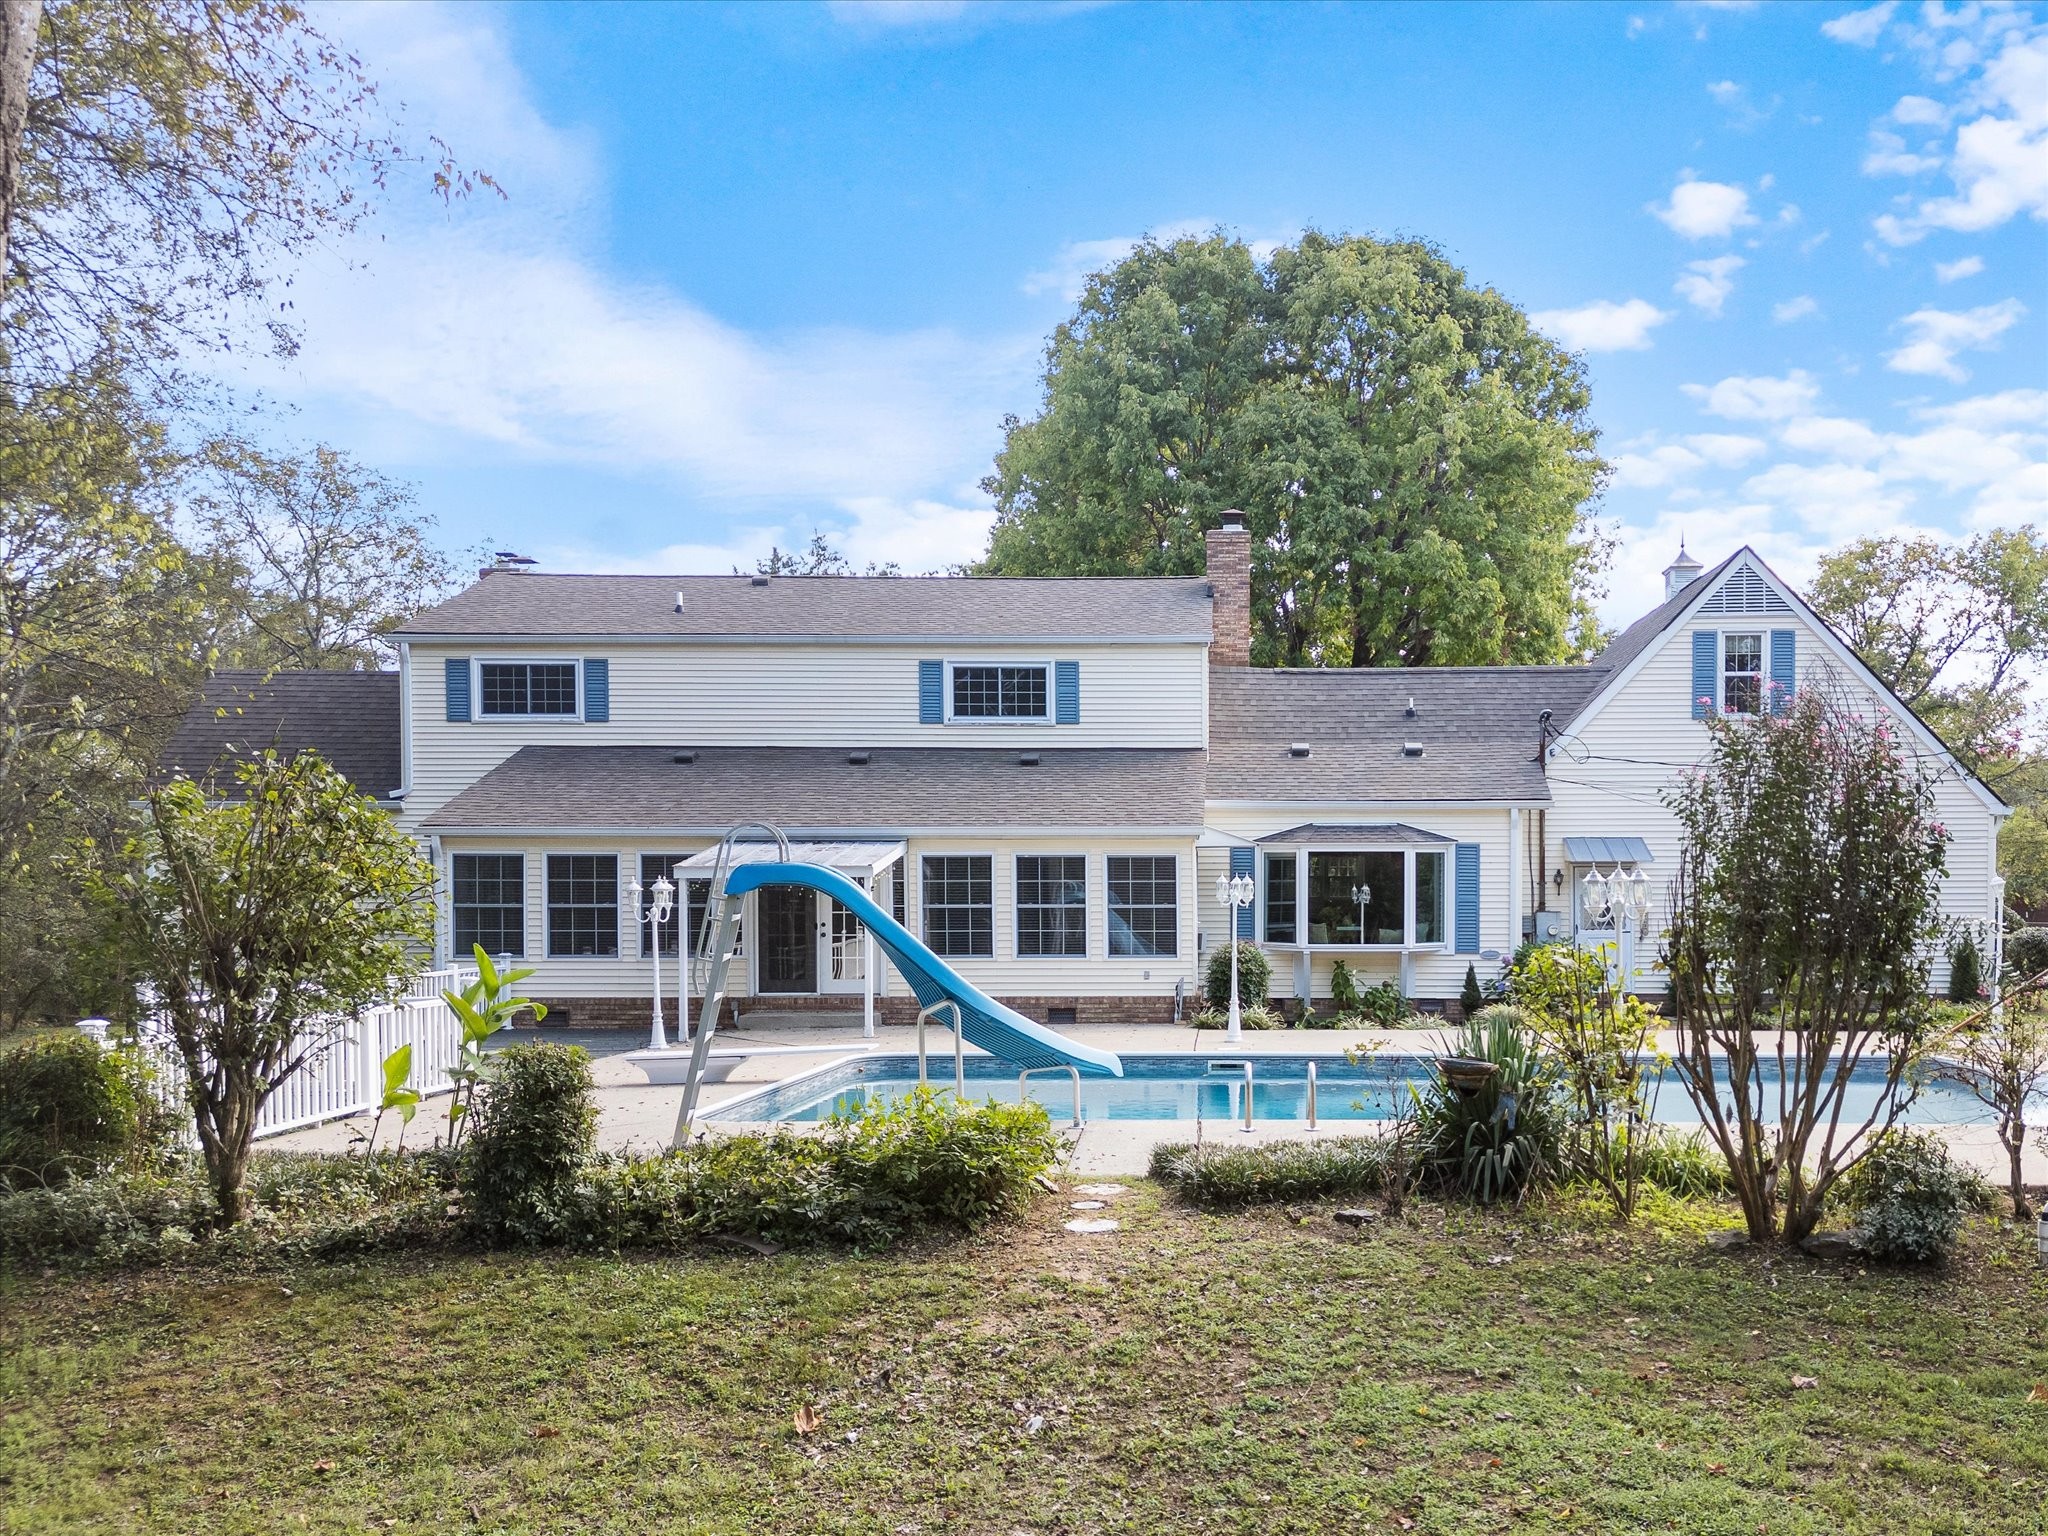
1044	779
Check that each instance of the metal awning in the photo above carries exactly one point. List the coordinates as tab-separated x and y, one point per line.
857	860
1393	834
1607	850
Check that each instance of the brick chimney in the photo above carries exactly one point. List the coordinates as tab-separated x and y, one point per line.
1230	587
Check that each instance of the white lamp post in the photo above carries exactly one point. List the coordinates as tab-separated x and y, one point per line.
1233	892
660	904
1361	894
1625	898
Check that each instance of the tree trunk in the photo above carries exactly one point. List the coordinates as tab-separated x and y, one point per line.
2016	1150
20	21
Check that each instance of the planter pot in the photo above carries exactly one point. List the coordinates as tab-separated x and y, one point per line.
1466	1075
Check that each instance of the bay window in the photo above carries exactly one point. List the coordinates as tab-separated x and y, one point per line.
1356	898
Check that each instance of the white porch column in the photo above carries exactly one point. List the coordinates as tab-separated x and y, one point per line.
867	986
1514	878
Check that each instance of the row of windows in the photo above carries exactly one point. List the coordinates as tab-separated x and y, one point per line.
958	906
1355	898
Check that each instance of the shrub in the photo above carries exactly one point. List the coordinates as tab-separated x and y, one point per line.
529	1140
1688	1166
1343	989
1382	1007
1908	1197
1470	999
1965	971
69	1108
2026	953
1254	975
1257	1016
1274	1172
868	1179
1493	1142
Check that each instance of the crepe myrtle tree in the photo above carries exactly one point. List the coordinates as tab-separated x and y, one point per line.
265	913
1803	919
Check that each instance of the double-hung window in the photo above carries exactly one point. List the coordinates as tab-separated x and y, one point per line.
1144	905
489	905
959	904
1052	904
583	904
1742	674
1009	692
521	689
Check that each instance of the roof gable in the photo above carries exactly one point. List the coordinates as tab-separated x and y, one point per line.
1744	584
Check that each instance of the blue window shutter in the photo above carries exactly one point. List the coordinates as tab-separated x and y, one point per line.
1066	692
597	689
1784	669
931	690
1465	921
456	669
1706	672
1241	864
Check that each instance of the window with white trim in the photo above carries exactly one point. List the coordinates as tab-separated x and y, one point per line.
488	904
1005	692
1357	898
1144	904
520	689
1742	674
583	904
960	904
1052	904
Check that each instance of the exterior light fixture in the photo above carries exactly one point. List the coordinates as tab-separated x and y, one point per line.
652	907
1233	893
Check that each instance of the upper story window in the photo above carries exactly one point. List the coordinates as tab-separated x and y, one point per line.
1000	692
1742	674
526	688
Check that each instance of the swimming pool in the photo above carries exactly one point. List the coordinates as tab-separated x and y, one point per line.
1183	1087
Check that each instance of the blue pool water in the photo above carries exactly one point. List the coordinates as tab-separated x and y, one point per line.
1202	1087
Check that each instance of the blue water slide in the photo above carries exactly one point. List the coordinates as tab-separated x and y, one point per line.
984	1022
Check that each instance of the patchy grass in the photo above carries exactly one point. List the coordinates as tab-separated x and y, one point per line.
1269	1371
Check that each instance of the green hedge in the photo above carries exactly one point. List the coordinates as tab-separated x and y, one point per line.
70	1108
1272	1172
535	1126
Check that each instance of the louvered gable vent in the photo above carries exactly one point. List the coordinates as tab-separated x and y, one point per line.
1745	591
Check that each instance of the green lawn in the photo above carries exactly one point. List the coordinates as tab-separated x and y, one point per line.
1262	1372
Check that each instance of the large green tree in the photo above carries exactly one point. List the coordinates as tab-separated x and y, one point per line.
1415	460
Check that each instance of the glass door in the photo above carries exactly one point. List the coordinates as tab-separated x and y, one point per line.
789	945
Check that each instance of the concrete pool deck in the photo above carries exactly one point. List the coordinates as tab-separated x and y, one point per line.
635	1116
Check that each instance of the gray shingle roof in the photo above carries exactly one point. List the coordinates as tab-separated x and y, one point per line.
349	718
1476	725
816	788
1633	641
970	607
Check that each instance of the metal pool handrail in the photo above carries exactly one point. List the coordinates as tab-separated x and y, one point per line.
959	1058
1228	1066
1311	1093
1074	1072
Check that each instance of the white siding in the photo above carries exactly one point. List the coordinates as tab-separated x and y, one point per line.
793	695
629	974
1608	778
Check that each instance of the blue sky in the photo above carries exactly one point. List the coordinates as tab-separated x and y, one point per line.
767	269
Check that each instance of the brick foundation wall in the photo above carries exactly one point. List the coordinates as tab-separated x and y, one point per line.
633	1012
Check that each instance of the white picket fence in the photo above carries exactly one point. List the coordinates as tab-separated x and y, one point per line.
345	1073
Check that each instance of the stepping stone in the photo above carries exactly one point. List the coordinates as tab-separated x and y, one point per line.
1093	1224
1357	1218
1100	1189
1089	1205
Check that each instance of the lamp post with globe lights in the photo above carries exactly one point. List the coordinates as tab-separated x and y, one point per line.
652	907
1233	893
1624	897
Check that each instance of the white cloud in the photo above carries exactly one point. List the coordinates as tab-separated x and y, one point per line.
1725	92
1725	450
1795	309
1935	336
1955	271
492	333
896	13
1078	260
1602	326
1998	159
1657	467
1836	437
1760	398
1704	210
1835	500
2026	408
1706	284
1861	28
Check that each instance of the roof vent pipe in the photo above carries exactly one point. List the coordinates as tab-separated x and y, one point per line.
1410	711
679	599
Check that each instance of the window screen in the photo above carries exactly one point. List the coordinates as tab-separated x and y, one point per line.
529	687
1052	905
1144	905
999	693
583	904
959	904
489	904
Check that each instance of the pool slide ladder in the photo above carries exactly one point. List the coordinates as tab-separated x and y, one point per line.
974	1018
